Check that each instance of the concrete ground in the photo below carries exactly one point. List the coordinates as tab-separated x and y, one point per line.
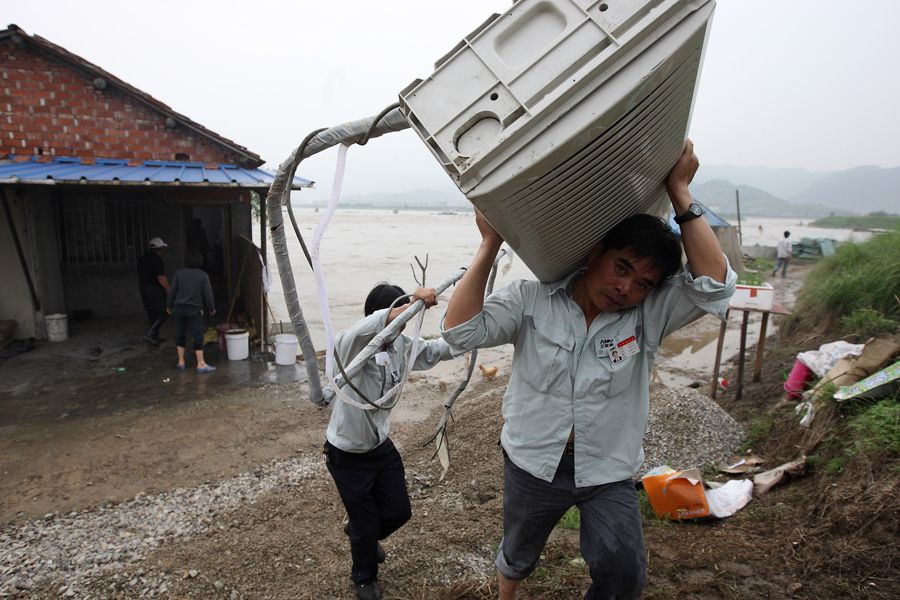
104	416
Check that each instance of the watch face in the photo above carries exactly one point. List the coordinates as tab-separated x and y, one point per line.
695	208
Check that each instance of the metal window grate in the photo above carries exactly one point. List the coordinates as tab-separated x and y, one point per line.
96	230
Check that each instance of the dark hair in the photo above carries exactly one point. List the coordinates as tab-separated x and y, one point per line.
382	296
647	237
194	260
787	234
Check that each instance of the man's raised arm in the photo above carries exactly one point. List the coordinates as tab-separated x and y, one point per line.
703	251
468	297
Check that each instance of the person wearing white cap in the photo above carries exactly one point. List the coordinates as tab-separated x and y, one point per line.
154	287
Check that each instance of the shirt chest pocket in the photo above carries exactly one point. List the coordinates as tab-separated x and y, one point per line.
622	372
547	364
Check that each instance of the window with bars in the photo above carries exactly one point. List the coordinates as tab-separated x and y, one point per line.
99	230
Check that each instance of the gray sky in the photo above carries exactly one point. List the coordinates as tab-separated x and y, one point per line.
787	83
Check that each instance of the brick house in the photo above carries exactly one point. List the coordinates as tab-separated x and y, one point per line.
91	168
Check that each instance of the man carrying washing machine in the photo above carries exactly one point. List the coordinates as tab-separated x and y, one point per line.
576	406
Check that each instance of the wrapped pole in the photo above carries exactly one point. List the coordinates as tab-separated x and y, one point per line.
359	131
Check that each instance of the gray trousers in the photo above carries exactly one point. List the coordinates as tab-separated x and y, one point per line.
612	541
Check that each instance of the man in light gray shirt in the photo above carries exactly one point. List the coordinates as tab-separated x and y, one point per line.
576	406
362	459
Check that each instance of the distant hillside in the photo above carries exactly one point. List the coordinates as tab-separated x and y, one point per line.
782	183
719	196
862	190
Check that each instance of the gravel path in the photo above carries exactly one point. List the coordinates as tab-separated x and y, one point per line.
67	555
67	550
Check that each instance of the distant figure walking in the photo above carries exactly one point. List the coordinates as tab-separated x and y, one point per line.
191	294
153	286
783	254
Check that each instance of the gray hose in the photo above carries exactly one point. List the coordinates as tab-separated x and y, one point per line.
389	333
279	194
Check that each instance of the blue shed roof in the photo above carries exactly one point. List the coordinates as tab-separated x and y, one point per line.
712	218
151	172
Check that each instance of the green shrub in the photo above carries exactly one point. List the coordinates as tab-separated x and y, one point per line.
858	276
867	323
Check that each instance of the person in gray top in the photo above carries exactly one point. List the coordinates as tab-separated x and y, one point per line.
362	459
576	406
190	293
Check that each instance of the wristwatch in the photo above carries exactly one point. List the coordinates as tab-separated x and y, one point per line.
693	211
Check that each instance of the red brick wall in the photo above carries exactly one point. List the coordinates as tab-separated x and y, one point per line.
51	109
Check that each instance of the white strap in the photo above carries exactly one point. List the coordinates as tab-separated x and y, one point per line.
323	299
317	266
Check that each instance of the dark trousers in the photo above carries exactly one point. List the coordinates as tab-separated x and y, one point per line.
188	320
372	486
154	300
612	540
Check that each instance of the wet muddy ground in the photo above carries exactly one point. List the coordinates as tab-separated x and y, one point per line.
102	416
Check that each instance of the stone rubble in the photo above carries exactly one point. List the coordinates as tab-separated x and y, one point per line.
75	548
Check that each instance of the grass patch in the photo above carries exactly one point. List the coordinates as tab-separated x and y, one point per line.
570	520
757	433
857	277
835	466
873	221
759	264
867	322
751	279
876	430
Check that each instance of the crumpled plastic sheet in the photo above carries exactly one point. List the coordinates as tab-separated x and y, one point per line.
725	500
820	361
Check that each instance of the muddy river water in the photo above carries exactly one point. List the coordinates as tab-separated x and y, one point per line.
363	247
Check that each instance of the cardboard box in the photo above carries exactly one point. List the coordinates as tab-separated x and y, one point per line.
676	494
759	297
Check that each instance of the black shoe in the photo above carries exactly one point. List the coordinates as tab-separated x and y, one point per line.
153	341
379	551
368	591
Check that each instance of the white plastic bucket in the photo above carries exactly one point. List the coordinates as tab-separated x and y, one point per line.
237	342
285	349
57	327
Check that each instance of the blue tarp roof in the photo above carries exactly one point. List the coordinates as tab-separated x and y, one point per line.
712	218
151	172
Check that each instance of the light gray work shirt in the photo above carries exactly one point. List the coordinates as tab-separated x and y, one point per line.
564	377
353	429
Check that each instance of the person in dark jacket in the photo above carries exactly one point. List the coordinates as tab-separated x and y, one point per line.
189	295
153	286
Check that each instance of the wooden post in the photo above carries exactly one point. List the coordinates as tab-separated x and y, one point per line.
715	378
741	355
737	200
760	346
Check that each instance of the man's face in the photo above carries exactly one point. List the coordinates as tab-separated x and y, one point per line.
616	279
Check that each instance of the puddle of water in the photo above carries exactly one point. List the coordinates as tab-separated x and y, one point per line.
689	356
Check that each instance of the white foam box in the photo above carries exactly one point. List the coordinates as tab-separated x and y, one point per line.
559	118
760	297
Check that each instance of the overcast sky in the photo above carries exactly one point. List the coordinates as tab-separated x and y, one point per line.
787	83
